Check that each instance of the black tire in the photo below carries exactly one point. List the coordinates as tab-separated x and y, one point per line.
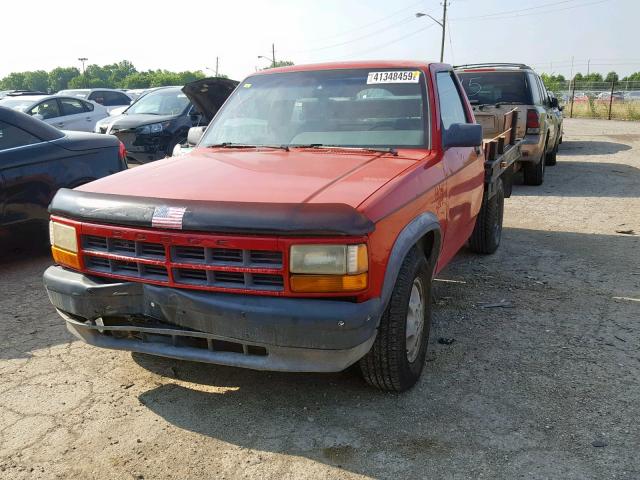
488	230
552	157
534	172
507	182
387	366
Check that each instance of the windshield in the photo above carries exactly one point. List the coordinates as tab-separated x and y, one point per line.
166	101
493	87
75	93
18	104
346	108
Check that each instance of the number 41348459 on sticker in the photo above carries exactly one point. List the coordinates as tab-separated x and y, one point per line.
397	76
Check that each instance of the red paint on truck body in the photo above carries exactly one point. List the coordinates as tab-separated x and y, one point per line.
390	190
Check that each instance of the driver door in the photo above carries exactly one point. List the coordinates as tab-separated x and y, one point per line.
463	169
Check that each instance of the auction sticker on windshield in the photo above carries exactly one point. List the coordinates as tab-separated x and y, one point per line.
401	76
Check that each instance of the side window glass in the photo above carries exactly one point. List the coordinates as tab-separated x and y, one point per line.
88	106
97	97
48	109
451	106
113	99
535	89
12	136
122	99
543	91
71	106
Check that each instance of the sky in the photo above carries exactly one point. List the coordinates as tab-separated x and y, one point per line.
545	34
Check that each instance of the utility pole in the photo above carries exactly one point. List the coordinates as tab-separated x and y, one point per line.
588	65
571	75
216	66
444	24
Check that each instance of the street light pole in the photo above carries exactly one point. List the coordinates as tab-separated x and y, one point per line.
442	24
273	55
84	77
83	59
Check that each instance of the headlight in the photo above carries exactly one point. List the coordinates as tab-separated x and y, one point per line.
63	236
329	259
64	244
153	128
328	268
102	123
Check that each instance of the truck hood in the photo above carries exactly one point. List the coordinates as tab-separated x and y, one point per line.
209	94
260	176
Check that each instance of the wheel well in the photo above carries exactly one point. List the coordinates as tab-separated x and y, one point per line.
427	246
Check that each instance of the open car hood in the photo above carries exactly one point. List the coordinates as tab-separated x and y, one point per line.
209	94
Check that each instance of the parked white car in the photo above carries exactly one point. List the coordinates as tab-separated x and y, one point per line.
65	113
107	97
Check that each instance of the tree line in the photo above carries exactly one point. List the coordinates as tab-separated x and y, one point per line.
555	82
124	74
115	75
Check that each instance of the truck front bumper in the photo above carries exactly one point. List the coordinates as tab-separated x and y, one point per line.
262	333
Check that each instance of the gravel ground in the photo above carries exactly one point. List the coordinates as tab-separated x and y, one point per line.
545	386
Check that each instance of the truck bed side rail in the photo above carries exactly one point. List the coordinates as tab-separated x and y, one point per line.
501	152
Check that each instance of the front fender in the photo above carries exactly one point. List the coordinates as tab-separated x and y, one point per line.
408	237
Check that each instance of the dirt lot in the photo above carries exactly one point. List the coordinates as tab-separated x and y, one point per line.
547	386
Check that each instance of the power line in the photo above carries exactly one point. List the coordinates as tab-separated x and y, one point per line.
363	52
367	25
504	12
506	15
346	42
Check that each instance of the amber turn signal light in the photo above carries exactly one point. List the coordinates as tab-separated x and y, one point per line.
328	283
63	257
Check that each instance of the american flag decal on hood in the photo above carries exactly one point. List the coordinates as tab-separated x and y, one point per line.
168	217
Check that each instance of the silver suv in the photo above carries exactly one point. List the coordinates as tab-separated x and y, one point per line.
494	89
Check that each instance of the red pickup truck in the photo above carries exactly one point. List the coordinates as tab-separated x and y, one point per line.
301	234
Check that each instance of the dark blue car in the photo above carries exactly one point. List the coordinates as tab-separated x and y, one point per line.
37	159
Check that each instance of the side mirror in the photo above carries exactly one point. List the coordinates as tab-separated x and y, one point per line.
554	103
462	135
194	135
38	116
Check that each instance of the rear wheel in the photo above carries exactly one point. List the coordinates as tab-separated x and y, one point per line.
488	230
397	356
551	157
534	172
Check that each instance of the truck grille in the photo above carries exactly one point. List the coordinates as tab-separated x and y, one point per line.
168	262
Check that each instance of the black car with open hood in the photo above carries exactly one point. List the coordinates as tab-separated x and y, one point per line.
159	120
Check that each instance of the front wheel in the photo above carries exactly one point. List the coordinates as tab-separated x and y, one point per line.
488	230
397	356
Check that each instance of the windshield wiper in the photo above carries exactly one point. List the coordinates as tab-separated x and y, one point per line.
390	150
247	145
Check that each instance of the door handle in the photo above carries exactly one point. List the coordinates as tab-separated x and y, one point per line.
59	125
88	119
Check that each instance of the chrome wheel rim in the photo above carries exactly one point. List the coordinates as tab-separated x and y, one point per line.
415	320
